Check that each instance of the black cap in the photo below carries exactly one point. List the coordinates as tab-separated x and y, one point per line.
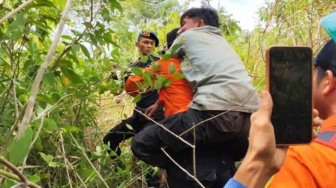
326	58
149	34
171	36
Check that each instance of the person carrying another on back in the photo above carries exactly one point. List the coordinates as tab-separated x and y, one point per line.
223	100
176	96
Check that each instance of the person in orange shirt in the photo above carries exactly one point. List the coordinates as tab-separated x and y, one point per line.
314	165
174	98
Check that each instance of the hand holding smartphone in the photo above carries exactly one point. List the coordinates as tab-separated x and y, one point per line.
289	81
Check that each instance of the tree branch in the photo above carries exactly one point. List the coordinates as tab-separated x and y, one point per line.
193	177
18	174
32	97
178	137
15	10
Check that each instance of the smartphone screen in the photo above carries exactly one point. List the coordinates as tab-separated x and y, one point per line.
289	72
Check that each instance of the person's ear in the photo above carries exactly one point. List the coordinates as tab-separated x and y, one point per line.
136	43
200	23
330	82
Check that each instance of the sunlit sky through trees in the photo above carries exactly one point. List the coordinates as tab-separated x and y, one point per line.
245	11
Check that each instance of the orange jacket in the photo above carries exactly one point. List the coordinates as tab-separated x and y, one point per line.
309	166
176	97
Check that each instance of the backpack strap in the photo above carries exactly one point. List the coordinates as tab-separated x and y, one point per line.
327	138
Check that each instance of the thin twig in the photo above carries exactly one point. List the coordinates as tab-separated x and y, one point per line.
65	158
194	178
194	153
32	97
17	113
15	10
89	161
165	128
33	142
68	48
70	165
199	123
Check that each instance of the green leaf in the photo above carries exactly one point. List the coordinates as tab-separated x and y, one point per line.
137	71
75	48
71	75
32	47
86	173
167	56
53	164
34	178
15	35
55	97
18	24
44	98
137	98
85	51
18	149
94	79
114	4
49	78
67	37
129	127
157	84
167	83
42	25
46	158
66	63
46	3
49	124
144	58
148	80
172	68
70	129
178	76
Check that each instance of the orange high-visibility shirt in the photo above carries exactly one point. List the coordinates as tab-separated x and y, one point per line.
177	96
310	166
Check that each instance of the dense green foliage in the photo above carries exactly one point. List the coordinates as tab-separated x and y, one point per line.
62	145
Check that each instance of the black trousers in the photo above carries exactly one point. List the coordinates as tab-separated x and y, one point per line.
215	165
230	129
121	132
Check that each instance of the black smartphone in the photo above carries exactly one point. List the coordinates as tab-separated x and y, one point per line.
289	81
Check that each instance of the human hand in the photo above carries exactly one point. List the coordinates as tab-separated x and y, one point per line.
152	109
263	158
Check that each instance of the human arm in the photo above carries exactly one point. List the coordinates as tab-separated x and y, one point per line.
132	83
263	158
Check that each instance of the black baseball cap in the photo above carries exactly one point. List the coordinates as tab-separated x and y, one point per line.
326	58
149	34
